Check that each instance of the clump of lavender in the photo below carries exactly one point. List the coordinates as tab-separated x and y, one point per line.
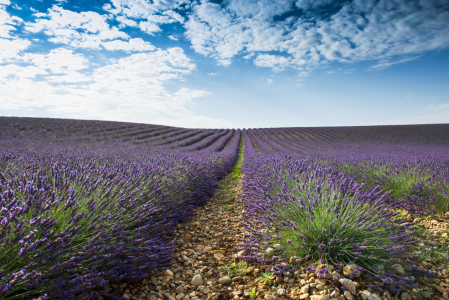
419	185
309	213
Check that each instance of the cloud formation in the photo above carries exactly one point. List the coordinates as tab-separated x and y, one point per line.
78	30
307	37
132	88
10	45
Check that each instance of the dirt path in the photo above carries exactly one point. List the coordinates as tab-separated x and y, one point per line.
206	243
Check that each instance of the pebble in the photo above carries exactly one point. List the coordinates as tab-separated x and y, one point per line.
349	284
317	297
282	292
348	295
180	296
304	296
197	280
269	297
351	270
305	289
405	296
368	296
398	268
225	280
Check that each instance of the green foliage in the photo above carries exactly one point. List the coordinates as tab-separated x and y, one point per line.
252	294
236	170
266	277
235	269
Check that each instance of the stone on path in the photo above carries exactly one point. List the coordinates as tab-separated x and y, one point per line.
197	280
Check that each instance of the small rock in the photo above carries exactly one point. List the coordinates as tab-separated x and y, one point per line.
405	296
241	253
368	296
169	273
270	251
426	295
99	297
398	268
319	287
304	296
440	289
180	296
317	297
126	296
180	289
349	284
197	280
351	270
282	292
348	295
336	275
218	256
142	296
269	297
238	278
304	289
225	280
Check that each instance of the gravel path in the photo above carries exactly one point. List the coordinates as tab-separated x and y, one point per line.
207	264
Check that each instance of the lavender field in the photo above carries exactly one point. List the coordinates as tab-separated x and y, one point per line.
83	202
88	203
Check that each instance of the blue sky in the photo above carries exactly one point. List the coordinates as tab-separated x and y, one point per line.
234	63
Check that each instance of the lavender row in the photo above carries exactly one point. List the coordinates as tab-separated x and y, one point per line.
222	142
204	143
74	218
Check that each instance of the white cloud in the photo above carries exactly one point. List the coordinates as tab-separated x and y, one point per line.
124	21
80	30
358	30
149	14
10	46
149	27
132	88
249	56
277	63
136	44
15	6
171	37
385	63
212	74
269	81
5	2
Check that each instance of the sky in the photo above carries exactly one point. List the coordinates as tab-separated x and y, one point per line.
227	64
